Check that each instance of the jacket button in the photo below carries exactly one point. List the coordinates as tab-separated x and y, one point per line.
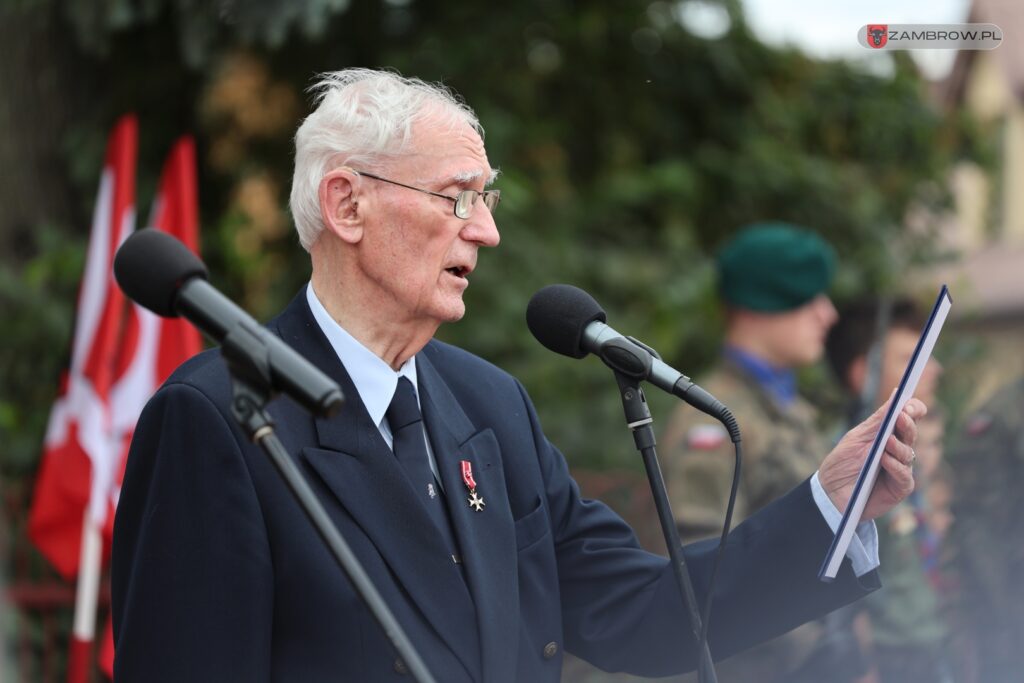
400	667
550	650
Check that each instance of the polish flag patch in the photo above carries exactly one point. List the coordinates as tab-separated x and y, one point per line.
706	437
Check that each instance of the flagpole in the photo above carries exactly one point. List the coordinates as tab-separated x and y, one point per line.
83	435
83	631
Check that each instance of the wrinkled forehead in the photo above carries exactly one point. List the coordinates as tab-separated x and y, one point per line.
447	150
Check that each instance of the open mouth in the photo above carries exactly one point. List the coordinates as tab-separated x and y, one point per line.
458	271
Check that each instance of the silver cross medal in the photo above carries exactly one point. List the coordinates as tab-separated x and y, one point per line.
475	500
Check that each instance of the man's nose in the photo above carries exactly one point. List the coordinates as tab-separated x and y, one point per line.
827	310
481	228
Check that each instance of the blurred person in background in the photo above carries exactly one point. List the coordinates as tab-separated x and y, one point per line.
986	538
868	350
773	278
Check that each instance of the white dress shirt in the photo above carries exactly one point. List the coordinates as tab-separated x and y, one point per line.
375	380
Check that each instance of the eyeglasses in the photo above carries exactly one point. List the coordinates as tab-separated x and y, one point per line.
463	201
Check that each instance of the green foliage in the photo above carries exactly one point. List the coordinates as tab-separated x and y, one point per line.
630	149
38	302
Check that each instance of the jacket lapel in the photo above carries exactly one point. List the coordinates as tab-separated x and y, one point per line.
486	538
361	471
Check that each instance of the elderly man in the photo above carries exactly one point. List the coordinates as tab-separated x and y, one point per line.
437	472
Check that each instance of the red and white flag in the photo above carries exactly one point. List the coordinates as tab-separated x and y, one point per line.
75	471
154	346
71	502
120	355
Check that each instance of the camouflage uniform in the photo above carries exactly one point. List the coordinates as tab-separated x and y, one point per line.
782	446
987	535
765	269
906	621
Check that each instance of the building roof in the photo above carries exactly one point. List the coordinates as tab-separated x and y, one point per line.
1008	15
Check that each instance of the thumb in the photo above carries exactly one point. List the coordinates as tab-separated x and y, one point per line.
874	420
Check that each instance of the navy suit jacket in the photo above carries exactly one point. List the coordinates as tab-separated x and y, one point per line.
218	576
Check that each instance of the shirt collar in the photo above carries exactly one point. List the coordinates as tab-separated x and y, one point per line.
780	383
374	379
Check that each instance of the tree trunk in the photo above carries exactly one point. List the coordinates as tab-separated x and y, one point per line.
41	88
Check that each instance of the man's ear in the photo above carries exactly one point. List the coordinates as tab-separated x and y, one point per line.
339	205
856	374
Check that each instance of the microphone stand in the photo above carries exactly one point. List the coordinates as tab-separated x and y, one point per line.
639	420
248	362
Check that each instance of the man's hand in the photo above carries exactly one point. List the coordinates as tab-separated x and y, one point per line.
838	472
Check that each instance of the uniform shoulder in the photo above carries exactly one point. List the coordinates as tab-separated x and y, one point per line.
999	412
692	430
1007	400
730	386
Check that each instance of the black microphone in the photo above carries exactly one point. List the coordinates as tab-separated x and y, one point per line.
567	320
160	273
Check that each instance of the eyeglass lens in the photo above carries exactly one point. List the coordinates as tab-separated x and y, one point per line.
465	200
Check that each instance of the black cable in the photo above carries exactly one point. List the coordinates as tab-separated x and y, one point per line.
727	419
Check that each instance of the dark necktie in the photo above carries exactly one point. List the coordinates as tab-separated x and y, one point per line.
411	450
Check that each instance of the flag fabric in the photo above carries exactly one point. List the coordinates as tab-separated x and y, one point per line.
78	450
120	354
154	346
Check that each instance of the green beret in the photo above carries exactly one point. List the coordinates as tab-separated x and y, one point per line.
774	267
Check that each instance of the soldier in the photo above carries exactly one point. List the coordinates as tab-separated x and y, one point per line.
772	279
987	461
907	629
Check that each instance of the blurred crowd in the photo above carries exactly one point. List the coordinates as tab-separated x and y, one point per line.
950	610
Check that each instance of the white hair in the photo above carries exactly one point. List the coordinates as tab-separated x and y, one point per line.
362	117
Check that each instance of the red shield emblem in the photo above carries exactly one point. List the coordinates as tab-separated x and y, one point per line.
878	35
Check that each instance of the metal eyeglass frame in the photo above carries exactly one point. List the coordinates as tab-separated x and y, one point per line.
463	202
